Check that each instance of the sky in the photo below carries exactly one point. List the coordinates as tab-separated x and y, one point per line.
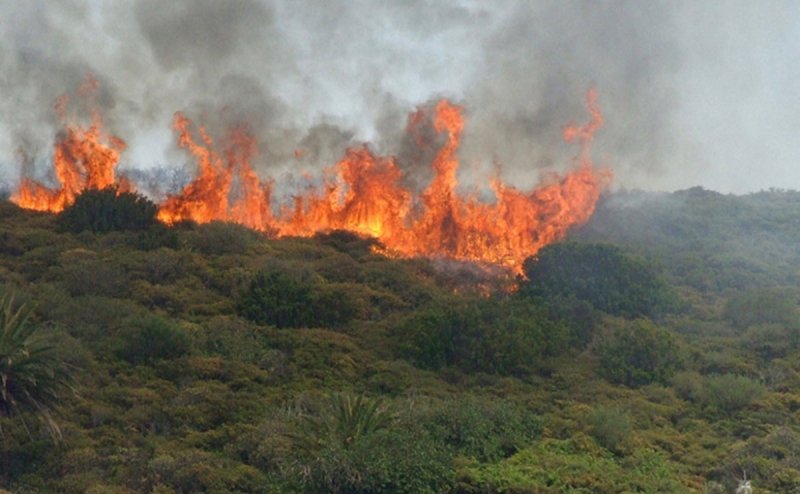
693	93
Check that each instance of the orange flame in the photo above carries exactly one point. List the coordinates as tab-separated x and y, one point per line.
211	196
363	193
84	158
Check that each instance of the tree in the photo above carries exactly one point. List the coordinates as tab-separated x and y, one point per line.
32	377
106	210
603	275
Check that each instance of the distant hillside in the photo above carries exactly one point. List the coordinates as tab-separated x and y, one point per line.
706	239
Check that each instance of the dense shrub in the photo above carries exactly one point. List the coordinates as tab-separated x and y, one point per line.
353	445
762	307
506	337
109	209
148	339
218	238
388	461
282	300
603	275
610	427
730	392
638	353
84	274
485	429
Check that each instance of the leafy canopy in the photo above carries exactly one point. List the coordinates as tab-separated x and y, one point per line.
603	275
106	210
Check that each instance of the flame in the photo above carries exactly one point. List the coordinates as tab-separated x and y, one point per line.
226	188
83	158
363	193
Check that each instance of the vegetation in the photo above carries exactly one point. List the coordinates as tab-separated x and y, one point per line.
106	210
638	353
32	377
657	350
603	275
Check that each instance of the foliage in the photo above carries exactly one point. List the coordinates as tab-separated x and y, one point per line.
343	422
730	393
32	377
611	428
284	301
351	446
106	210
554	466
219	238
479	389
776	306
387	461
603	275
149	339
486	430
502	336
638	353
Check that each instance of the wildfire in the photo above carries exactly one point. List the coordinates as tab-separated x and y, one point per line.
84	158
363	192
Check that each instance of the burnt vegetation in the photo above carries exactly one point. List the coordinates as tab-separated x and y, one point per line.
655	351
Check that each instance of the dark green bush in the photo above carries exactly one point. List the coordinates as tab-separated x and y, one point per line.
284	301
106	210
148	339
638	353
603	275
486	429
506	337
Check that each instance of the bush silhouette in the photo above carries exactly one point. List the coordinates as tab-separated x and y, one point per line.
106	210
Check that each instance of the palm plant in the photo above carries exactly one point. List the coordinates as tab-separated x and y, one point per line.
345	420
32	376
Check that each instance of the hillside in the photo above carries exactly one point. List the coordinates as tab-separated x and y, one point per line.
655	351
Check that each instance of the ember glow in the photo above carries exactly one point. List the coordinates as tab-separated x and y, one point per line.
362	193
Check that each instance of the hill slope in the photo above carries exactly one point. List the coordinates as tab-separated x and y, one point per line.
212	359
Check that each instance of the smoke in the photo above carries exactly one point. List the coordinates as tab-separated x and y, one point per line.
309	79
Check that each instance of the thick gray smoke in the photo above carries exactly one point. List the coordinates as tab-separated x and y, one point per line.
692	94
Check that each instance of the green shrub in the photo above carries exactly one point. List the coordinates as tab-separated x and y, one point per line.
284	301
610	427
504	337
219	238
603	275
148	339
762	306
486	429
638	353
352	445
83	273
730	392
388	461
106	210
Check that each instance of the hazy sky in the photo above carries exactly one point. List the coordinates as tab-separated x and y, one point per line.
694	93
